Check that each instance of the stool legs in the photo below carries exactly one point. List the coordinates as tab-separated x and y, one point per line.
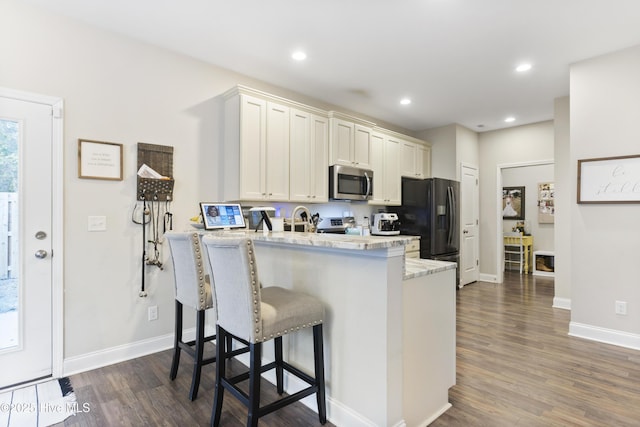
255	365
252	400
318	358
279	366
199	351
221	362
176	341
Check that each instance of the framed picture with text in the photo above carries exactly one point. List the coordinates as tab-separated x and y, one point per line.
99	160
609	180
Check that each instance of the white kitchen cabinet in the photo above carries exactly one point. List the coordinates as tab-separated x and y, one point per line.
256	149
309	157
385	162
350	143
415	160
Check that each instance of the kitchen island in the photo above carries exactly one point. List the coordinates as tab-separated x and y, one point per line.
390	324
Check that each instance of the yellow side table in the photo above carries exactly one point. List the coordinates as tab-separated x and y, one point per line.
527	241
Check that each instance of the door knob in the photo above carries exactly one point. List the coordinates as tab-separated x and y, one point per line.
465	231
41	254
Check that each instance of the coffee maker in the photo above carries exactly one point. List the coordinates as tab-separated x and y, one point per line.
385	224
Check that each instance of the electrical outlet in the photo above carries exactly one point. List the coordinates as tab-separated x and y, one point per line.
621	307
153	312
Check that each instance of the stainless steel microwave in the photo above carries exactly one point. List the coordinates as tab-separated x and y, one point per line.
349	183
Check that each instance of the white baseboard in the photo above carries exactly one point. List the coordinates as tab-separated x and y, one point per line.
604	335
121	353
563	303
488	278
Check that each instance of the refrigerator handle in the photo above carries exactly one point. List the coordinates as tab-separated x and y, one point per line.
452	214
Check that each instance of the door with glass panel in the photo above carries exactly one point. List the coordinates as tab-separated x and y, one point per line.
25	241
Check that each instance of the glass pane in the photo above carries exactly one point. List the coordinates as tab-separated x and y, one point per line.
9	261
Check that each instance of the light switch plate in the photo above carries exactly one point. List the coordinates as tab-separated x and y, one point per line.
97	223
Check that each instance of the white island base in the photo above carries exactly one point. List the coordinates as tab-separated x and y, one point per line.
390	328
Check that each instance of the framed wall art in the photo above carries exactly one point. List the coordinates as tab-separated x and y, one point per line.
99	160
609	180
546	202
513	203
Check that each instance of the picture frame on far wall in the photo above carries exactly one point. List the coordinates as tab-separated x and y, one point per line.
513	203
609	180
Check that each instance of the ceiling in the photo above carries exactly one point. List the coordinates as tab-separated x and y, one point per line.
455	59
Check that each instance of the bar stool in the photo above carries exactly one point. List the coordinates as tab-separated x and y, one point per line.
193	289
255	315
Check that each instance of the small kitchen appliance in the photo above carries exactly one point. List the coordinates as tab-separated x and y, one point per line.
335	225
349	183
385	224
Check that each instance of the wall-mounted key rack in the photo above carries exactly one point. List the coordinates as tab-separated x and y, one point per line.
160	159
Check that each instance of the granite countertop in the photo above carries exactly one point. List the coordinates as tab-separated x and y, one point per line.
336	241
416	267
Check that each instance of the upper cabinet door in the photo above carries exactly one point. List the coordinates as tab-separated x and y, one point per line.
300	146
342	137
415	160
350	144
276	152
423	166
393	181
362	147
253	133
309	161
319	159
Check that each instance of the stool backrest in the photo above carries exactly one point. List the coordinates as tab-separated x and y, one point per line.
192	287
236	286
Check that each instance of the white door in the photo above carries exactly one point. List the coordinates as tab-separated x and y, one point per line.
26	135
469	208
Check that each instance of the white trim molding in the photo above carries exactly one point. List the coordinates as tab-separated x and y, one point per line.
57	218
563	303
604	335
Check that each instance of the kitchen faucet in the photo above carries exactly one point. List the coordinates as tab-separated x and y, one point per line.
306	221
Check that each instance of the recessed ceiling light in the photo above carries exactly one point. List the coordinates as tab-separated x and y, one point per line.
510	119
523	67
299	55
405	101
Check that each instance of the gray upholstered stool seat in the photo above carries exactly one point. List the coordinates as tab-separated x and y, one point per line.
254	315
193	289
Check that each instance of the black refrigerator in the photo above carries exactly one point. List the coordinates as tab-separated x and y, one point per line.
431	209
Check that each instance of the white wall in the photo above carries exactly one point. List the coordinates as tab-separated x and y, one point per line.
443	148
467	148
563	202
119	90
605	238
513	146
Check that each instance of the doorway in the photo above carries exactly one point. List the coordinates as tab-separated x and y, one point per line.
469	223
30	234
529	175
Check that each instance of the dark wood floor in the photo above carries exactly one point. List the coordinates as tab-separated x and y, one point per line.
516	366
